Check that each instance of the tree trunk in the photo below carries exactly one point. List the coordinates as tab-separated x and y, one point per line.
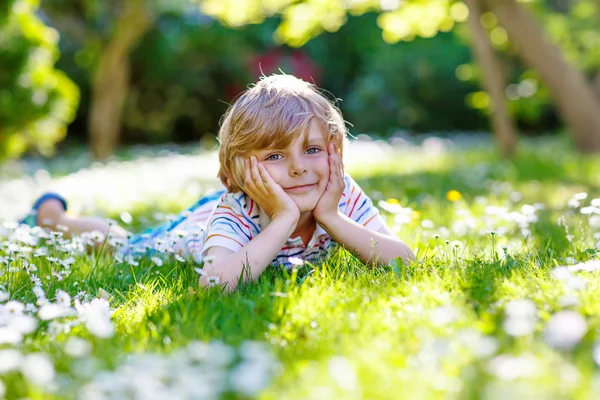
110	84
573	97
494	81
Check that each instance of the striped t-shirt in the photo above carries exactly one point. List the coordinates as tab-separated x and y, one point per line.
237	219
232	220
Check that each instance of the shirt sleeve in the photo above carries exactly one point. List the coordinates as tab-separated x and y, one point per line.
233	224
359	207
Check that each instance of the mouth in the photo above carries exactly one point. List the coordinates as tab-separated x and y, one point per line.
300	188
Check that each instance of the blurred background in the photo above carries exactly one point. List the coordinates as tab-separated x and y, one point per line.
108	73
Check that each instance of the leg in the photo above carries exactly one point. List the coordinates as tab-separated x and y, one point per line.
51	214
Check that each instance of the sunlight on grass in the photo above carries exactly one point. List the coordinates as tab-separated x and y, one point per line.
503	301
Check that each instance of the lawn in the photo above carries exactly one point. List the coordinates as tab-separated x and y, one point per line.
502	302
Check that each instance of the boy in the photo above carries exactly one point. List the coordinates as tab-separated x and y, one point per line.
281	146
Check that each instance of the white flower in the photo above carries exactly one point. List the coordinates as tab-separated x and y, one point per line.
4	296
38	369
522	308
568	301
249	378
77	347
23	324
561	273
10	359
67	262
208	259
580	196
573	203
519	326
296	261
96	316
427	224
180	233
14	307
456	244
63	298
576	283
38	291
509	368
595	354
213	281
343	373
50	311
444	315
179	258
131	261
30	308
157	261
10	335
565	329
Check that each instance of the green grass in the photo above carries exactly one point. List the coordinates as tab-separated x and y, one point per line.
435	329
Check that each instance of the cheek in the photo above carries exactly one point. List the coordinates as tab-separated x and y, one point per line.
322	167
274	171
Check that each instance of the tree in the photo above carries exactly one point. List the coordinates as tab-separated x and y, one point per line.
572	94
109	30
302	20
36	101
493	80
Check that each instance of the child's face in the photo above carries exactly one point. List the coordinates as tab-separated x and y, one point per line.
302	171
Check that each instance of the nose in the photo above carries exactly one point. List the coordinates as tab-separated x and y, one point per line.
300	172
298	167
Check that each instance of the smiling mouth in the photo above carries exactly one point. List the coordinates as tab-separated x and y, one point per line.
300	188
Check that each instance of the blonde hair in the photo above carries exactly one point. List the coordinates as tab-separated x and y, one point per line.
272	114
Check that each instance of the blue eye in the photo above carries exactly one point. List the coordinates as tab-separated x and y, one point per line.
310	150
271	157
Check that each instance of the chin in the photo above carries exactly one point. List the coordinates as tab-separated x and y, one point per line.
305	205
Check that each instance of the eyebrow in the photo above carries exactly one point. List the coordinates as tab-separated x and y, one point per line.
311	139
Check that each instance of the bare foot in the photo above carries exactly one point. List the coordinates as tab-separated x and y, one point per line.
49	213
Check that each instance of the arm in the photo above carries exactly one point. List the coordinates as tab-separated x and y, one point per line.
360	239
251	260
370	245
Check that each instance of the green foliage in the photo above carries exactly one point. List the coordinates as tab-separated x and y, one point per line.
573	25
413	86
36	100
304	20
186	72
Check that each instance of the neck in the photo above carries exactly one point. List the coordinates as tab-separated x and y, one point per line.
306	223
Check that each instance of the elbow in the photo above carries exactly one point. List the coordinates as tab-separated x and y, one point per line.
404	252
408	254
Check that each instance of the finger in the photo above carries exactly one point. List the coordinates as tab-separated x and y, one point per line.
264	176
256	175
339	159
338	168
248	181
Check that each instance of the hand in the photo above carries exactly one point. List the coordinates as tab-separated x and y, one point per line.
269	195
329	201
